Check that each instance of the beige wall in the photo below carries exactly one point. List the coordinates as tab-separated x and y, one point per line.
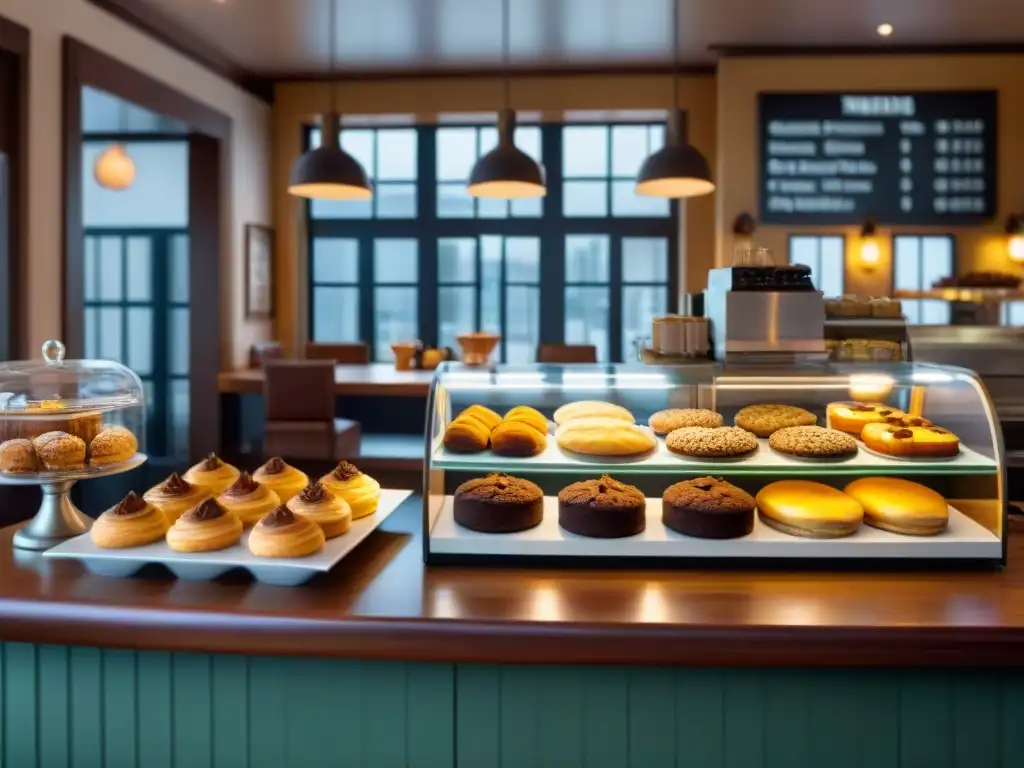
248	191
423	100
740	80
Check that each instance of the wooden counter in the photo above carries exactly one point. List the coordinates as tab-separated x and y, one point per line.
374	379
381	603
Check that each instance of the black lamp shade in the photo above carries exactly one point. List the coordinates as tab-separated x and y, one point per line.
328	172
506	171
677	169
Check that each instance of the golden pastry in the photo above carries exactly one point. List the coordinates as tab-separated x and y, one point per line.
59	450
281	478
604	437
359	490
330	512
484	415
910	441
131	523
466	434
586	409
175	496
18	456
850	417
205	528
212	475
528	415
248	499
808	509
898	505
517	438
282	533
112	445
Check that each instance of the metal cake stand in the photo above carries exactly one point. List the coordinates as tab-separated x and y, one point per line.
58	518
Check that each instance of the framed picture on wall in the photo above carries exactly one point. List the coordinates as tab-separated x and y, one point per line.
259	271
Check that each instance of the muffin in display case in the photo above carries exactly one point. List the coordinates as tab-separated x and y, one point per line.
62	421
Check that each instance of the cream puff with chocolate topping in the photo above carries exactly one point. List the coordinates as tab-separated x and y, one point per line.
282	533
330	512
131	523
175	496
359	490
248	499
283	479
212	475
205	528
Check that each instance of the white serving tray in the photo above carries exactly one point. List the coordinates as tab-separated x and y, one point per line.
209	565
964	539
762	462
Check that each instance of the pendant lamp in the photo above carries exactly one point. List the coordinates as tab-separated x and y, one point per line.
329	172
506	172
114	169
678	169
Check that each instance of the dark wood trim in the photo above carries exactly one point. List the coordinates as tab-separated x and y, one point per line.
210	149
14	38
152	22
740	50
690	70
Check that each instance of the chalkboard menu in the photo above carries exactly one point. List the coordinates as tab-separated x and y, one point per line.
895	158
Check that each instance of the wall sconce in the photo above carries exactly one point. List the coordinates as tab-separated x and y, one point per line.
1015	231
869	254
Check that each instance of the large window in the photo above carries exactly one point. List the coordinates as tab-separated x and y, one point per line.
589	263
918	261
826	256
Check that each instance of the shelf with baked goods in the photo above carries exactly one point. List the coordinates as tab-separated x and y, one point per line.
963	539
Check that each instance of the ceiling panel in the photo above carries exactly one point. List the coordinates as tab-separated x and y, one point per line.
292	36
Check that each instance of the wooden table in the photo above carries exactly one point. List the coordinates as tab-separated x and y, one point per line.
373	379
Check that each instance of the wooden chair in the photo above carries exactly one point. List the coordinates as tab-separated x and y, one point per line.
264	351
300	421
357	353
566	353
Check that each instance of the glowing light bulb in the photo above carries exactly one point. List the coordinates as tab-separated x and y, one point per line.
884	30
1016	247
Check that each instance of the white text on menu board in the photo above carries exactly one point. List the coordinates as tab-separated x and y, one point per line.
822	166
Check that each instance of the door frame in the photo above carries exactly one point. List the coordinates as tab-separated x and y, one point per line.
15	44
209	155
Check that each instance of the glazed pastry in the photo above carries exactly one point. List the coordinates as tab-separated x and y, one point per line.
711	442
282	533
925	441
466	435
175	496
808	509
604	437
484	415
585	409
528	415
498	503
517	438
898	505
706	508
762	420
813	443
602	509
59	450
850	417
248	499
281	478
132	523
360	491
671	419
18	456
112	445
205	528
212	475
331	513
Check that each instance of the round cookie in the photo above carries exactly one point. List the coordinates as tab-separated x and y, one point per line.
670	419
706	508
813	443
763	420
602	509
498	503
711	442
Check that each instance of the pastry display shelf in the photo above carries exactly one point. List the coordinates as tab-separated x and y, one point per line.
964	539
764	461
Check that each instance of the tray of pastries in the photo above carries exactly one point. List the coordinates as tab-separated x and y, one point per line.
277	523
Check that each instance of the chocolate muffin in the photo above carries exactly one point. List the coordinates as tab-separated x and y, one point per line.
708	508
602	509
498	503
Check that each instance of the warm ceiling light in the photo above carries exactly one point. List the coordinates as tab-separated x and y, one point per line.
677	169
506	172
1015	231
114	169
869	252
884	29
329	172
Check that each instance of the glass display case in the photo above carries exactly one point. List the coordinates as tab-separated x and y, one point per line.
62	421
859	462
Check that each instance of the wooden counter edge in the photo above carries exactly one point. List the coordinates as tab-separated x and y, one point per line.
458	641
